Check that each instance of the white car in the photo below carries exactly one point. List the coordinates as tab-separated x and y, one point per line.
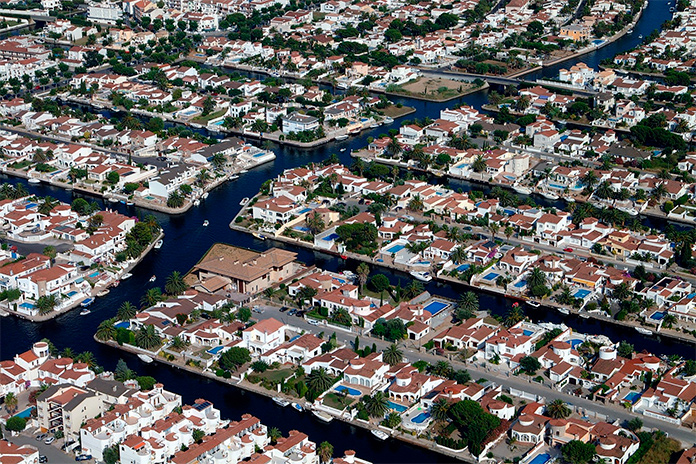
50	440
313	321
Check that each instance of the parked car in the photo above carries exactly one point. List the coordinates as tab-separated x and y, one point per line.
568	250
41	436
83	457
292	312
50	440
313	322
299	313
43	458
283	309
258	310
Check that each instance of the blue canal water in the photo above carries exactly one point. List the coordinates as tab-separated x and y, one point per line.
186	240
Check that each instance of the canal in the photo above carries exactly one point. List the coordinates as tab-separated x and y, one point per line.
186	240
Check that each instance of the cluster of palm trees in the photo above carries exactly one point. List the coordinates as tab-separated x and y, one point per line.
376	405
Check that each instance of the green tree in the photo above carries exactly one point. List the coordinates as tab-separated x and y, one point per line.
151	297
439	409
274	434
111	454
46	304
325	452
635	424
363	271
243	314
467	306
578	452
126	311
175	284
530	365
175	200
625	349
557	409
11	402
147	338
473	423
376	405
234	357
319	380
15	424
49	251
122	372
198	435
106	330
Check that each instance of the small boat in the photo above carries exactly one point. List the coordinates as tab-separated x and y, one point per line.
103	292
196	202
34	180
533	303
630	31
344	256
115	108
322	416
671	8
205	195
259	236
423	276
145	358
563	311
244	201
235	177
127	275
584	315
342	150
522	190
280	402
374	125
205	223
549	195
87	302
643	331
342	137
640	36
379	434
298	406
243	171
153	278
388	120
354	131
159	244
113	200
130	203
85	311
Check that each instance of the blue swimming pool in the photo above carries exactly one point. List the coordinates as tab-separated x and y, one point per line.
26	306
632	397
93	275
527	333
395	248
420	418
435	307
541	459
26	413
301	228
350	391
463	267
657	316
304	210
521	284
397	407
216	349
574	342
122	325
491	276
581	293
330	238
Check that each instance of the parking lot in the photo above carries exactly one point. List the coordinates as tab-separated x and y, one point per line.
52	451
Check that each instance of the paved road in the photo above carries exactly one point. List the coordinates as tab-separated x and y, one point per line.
612	412
52	452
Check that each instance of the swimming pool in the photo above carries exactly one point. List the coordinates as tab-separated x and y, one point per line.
122	325
395	248
301	228
491	276
304	210
330	238
71	294
420	418
216	349
350	391
435	307
397	407
581	293
463	267
26	306
632	397
541	459
657	316
25	414
527	333
218	123
575	342
521	284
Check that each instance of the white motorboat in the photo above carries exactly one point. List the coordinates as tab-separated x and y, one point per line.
342	137
85	311
235	177
103	292
375	125
322	416
159	244
550	196
630	31
153	278
342	150
643	331
388	120
205	195
584	315
206	223
563	311
127	275
145	358
423	276
113	200
243	171
259	236
379	434
34	180
298	407
533	303
196	202
87	302
244	201
522	190
280	402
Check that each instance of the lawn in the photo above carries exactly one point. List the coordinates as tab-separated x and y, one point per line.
336	401
394	111
276	375
214	115
661	451
434	88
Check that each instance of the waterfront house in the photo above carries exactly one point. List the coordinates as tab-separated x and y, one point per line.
264	336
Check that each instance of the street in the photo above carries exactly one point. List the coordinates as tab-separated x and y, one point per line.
548	393
52	452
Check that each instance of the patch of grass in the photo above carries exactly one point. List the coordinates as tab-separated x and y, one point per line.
276	375
661	451
205	119
336	401
394	111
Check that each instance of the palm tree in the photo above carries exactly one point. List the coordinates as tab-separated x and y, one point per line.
319	380
11	402
509	232
376	405
363	271
45	304
126	311
467	306
493	228
274	434
178	343
68	353
669	320
590	179
394	148
151	298
659	191
392	355
442	368
439	409
202	178
621	291
604	190
175	200
325	451
106	330
147	339
88	358
416	204
557	409
47	204
536	278
175	284
513	316
458	256
315	223
479	164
